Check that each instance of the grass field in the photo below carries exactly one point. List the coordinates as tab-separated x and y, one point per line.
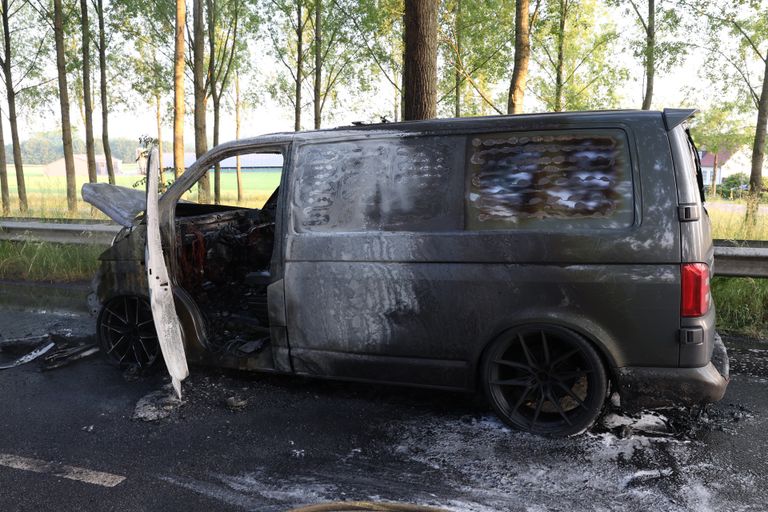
728	222
46	196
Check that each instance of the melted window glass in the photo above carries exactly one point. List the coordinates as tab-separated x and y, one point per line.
549	180
392	184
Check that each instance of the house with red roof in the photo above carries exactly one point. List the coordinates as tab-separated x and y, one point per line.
708	164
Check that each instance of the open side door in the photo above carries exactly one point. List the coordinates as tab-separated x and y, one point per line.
160	291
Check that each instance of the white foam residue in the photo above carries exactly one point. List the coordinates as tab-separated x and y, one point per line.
501	469
292	492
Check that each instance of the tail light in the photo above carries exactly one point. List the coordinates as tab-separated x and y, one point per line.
695	285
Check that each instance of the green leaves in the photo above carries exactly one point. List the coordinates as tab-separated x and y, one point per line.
576	68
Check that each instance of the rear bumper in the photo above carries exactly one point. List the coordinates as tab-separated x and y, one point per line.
642	387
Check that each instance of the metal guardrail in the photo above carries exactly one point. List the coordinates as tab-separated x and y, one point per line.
741	258
733	258
63	233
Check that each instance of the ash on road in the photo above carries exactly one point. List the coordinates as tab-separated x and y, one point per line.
243	441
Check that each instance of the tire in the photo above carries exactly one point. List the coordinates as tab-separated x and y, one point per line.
544	379
125	330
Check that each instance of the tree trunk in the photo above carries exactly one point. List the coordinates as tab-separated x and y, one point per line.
103	94
77	89
420	63
6	197
12	117
299	62
198	72
215	93
758	151
178	90
237	137
559	103
318	61
522	57
393	65
713	183
650	55
159	120
66	128
457	71
90	151
217	168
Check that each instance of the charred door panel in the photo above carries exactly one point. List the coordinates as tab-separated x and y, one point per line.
445	313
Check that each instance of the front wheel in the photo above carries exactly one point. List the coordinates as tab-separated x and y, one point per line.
544	379
126	332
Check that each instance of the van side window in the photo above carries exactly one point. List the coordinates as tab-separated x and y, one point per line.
579	179
387	184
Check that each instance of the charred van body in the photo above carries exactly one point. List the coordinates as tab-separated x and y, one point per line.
542	258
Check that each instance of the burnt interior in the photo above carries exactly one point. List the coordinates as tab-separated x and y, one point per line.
223	255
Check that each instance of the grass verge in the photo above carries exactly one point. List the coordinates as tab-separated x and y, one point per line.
742	305
729	222
43	261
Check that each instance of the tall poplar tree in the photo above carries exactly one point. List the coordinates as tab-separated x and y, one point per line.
420	60
66	127
103	93
88	106
178	88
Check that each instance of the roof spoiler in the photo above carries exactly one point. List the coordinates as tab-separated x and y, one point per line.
676	116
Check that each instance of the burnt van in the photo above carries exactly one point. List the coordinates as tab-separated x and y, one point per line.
545	259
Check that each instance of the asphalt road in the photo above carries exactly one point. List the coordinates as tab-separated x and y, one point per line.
69	441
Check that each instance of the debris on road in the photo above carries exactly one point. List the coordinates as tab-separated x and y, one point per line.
67	350
30	356
157	405
67	353
16	344
235	403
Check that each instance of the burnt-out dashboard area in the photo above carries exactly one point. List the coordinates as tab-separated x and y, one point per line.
223	261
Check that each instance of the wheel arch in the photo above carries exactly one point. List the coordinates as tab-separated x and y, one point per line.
604	344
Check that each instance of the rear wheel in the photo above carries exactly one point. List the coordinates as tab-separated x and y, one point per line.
544	379
126	332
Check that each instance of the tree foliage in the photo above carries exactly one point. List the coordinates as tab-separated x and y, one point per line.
574	52
45	147
477	49
657	45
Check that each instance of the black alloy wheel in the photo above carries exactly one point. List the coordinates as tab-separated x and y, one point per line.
544	379
126	332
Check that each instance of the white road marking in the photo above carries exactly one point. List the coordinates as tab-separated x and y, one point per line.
60	470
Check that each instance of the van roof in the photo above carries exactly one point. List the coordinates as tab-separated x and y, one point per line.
670	117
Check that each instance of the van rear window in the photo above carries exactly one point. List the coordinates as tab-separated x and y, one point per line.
549	180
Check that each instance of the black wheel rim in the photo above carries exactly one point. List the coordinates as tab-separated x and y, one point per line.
542	380
127	332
